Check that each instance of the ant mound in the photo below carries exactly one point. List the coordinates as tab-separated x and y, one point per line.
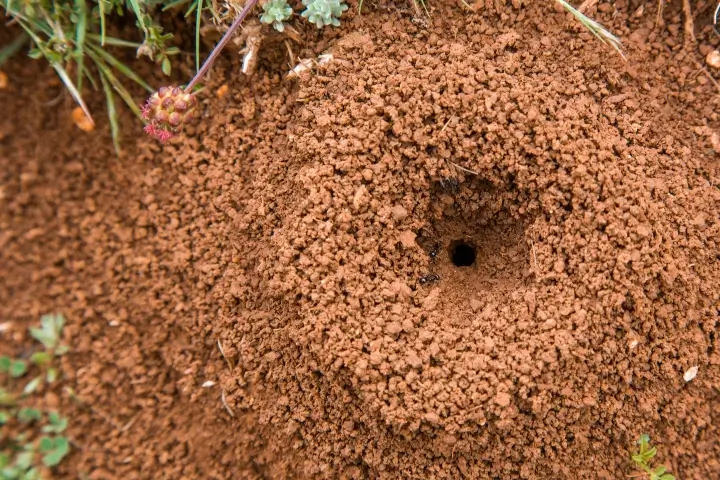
466	256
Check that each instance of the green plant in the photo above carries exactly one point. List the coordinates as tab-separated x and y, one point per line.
276	12
167	111
71	35
159	128
642	459
22	456
324	12
159	123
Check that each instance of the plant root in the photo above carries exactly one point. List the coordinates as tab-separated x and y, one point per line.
689	23
659	17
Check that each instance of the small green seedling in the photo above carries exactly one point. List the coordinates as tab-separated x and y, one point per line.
41	441
642	459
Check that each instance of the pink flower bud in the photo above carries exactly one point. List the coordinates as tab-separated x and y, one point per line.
167	111
175	119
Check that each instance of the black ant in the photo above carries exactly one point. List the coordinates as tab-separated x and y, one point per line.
450	184
429	278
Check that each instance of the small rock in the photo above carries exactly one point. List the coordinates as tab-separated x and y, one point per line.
502	399
52	401
81	120
399	213
376	358
475	304
713	59
413	360
690	374
361	197
407	239
430	302
393	328
705	49
432	418
222	91
643	231
74	167
549	324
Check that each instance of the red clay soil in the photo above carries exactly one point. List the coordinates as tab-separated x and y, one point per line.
302	226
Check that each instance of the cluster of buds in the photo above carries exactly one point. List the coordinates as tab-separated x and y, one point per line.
167	111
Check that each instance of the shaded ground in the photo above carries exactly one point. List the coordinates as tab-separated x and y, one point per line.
291	230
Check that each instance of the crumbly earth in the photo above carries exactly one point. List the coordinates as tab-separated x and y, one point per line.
281	251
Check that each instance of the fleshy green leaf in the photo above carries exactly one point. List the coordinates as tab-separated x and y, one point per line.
60	448
5	364
43	337
166	66
24	460
27	415
51	375
32	385
40	358
58	424
7	399
63	349
18	368
46	444
32	474
4	418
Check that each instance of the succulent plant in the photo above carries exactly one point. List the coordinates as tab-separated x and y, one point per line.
167	111
276	12
324	12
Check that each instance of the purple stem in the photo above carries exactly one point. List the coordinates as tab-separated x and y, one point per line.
221	44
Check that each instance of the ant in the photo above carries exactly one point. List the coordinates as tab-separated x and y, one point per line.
450	184
429	278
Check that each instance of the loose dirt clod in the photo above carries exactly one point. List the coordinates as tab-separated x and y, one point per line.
713	59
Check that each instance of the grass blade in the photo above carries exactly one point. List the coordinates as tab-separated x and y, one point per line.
119	88
139	14
73	91
117	42
102	22
122	68
197	34
89	76
174	4
13	47
193	7
80	29
595	28
112	113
